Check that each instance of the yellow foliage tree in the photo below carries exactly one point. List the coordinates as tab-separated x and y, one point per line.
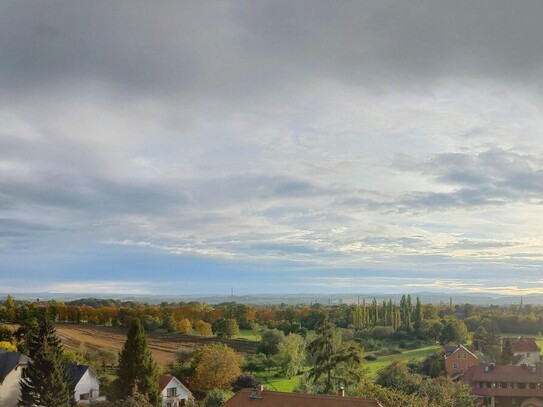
8	346
203	328
217	366
184	326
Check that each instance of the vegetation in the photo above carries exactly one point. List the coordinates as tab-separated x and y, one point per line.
136	368
46	383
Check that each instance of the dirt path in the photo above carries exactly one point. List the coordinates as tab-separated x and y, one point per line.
162	345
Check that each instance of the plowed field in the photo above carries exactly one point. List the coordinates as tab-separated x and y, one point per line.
162	345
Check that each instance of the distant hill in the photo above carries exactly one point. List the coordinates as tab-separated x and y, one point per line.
304	298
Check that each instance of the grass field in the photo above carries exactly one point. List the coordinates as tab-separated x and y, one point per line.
271	381
415	354
248	335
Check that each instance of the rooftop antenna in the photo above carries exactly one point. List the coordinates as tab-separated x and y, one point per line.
232	292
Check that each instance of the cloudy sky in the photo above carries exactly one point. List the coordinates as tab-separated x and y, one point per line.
185	147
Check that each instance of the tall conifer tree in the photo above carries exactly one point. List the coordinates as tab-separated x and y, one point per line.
136	367
46	383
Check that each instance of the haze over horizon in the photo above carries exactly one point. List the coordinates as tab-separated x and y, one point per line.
274	147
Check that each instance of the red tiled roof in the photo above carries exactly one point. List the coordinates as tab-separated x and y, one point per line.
504	374
522	344
280	399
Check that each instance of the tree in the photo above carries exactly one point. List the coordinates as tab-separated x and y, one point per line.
244	381
216	398
135	399
216	367
136	367
46	383
334	364
507	353
8	346
492	344
396	375
270	340
454	330
11	309
169	323
256	363
203	328
225	328
291	355
418	317
184	326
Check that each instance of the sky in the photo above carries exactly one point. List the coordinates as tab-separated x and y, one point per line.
191	147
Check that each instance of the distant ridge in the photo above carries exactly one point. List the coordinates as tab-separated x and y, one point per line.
303	298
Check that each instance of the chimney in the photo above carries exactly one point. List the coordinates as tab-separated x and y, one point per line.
260	388
341	392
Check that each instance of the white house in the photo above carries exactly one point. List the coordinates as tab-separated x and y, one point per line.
84	381
174	393
12	370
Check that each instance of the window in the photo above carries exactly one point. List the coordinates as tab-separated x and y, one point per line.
464	355
455	366
469	365
459	356
171	392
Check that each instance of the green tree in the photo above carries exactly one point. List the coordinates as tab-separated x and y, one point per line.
225	328
216	398
507	353
418	317
46	383
270	340
454	330
136	367
11	309
291	355
492	344
135	399
334	364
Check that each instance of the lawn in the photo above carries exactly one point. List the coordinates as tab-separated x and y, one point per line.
414	354
247	334
271	381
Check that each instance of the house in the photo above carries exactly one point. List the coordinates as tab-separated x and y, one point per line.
506	386
527	347
84	382
264	398
12	370
458	359
174	393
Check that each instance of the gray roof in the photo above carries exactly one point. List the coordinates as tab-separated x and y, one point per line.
9	361
76	371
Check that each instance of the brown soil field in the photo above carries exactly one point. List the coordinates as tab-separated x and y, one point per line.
162	345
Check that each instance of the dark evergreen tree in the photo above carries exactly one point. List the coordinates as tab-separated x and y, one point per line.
136	367
46	383
335	365
418	317
507	353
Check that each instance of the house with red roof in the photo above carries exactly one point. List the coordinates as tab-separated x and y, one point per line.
506	386
264	398
524	347
458	359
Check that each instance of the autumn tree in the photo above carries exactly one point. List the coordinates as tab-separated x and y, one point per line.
135	399
184	326
203	328
216	367
46	382
136	367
